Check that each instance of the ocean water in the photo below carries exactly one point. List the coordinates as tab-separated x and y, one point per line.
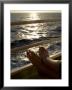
32	33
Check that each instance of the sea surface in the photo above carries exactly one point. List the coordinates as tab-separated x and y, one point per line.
25	34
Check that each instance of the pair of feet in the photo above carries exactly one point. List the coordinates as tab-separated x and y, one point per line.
46	67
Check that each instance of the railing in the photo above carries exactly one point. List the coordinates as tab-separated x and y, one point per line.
25	71
25	47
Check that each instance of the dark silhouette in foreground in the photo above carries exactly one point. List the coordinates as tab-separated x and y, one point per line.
47	68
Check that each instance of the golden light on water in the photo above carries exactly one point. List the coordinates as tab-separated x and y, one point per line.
32	27
34	16
32	32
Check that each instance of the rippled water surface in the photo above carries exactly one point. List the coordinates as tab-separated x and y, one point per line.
35	32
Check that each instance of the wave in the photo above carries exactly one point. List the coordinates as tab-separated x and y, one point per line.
34	21
52	49
55	33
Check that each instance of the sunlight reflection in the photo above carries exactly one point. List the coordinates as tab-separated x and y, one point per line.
32	27
34	16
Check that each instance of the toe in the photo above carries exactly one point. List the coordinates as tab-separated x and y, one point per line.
43	53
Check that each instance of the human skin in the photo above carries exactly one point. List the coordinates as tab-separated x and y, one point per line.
46	67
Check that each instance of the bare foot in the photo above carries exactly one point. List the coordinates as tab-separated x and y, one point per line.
43	53
50	63
42	68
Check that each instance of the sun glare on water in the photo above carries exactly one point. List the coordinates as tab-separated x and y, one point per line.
32	28
34	16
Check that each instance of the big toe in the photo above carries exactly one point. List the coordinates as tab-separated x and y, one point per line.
33	58
43	53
